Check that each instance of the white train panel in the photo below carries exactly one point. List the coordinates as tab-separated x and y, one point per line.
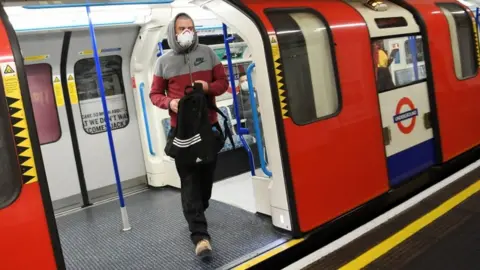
116	46
42	54
403	113
376	21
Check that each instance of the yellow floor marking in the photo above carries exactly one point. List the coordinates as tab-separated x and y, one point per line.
268	254
382	248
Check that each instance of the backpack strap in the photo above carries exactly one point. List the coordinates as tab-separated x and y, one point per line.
228	132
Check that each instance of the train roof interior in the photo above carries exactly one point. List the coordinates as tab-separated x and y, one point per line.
73	16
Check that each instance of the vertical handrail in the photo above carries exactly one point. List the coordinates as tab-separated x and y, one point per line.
160	49
477	14
240	131
256	123
413	49
477	21
145	118
126	223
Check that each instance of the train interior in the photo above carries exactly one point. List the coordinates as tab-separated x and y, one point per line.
74	144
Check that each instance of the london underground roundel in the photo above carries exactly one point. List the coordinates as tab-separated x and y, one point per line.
405	120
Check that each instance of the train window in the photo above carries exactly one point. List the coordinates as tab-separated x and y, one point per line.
89	94
390	71
307	61
40	85
462	39
418	48
10	178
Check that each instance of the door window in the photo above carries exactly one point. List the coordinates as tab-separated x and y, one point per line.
89	94
307	60
463	39
40	85
398	62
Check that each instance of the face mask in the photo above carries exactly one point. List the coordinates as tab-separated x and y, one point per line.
244	86
185	38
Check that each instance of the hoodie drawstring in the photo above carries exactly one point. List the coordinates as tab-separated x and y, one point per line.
187	57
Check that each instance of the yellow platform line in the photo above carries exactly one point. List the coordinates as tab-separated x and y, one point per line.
388	244
268	254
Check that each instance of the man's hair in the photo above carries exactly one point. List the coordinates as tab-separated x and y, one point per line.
184	17
242	74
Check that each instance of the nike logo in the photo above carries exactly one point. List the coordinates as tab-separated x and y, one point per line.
198	61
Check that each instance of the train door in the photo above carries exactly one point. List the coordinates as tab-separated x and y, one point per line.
115	45
403	92
26	215
42	56
330	153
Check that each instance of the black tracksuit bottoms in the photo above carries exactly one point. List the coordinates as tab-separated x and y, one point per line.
196	189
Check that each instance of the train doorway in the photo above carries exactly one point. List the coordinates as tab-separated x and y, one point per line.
240	231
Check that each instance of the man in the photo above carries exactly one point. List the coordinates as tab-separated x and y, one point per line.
186	63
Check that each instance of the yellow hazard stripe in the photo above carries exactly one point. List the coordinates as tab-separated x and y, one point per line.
19	122
279	78
396	239
475	33
267	255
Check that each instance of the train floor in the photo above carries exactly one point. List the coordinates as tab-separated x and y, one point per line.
159	239
441	231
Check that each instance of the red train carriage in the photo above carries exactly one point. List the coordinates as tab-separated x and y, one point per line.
29	237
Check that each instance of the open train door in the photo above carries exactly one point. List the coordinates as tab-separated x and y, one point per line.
28	234
329	132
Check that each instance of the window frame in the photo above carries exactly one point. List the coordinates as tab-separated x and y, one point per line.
372	40
472	36
12	154
122	84
54	97
333	56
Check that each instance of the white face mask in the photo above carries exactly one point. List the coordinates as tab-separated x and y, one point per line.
244	85
185	38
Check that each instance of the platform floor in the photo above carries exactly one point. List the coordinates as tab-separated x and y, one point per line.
440	232
159	239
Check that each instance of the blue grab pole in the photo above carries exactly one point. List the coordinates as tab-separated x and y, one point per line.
413	49
477	14
145	118
241	131
256	124
126	223
160	49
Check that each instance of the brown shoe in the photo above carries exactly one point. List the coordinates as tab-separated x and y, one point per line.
203	249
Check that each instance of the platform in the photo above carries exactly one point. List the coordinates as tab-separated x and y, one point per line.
439	231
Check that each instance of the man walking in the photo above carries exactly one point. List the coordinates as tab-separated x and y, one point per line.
186	63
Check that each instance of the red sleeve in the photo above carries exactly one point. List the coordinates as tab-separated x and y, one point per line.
219	84
157	94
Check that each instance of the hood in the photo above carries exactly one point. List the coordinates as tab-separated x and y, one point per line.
172	37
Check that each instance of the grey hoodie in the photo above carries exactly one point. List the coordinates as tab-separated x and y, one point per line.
177	69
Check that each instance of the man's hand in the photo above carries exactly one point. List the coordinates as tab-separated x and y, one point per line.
204	85
174	105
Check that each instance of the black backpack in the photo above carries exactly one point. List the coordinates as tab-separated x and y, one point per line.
194	140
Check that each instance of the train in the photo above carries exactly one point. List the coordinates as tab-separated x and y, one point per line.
357	98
